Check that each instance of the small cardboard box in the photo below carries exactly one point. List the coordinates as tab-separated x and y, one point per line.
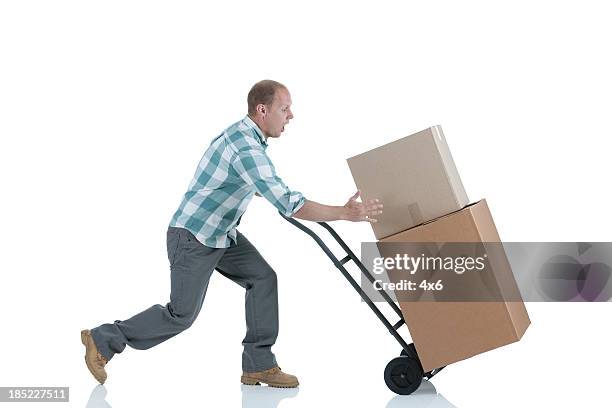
414	177
445	332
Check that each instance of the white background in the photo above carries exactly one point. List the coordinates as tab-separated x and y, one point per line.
106	108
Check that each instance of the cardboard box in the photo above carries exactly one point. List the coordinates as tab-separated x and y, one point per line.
445	332
415	178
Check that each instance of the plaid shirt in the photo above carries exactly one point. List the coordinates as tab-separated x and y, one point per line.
233	168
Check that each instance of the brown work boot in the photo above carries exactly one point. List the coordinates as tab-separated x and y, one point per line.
274	377
94	360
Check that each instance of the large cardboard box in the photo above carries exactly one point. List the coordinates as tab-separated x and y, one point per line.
414	177
445	332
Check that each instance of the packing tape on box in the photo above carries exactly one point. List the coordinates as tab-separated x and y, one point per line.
415	213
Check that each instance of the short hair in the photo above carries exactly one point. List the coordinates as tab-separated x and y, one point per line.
263	93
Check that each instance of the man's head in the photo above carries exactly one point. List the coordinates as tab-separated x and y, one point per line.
270	107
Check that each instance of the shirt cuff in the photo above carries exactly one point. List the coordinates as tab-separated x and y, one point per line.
296	207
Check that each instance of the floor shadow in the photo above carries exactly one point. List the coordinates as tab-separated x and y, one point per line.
97	399
257	396
425	397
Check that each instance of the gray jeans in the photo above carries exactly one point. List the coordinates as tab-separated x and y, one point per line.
191	265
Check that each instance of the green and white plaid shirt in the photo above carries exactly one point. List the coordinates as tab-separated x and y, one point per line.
233	168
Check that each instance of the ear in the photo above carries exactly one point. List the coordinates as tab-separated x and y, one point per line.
261	108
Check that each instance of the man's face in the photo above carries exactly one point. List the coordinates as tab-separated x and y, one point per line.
278	114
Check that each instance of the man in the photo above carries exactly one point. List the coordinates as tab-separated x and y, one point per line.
202	237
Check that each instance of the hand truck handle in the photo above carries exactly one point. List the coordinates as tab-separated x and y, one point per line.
339	263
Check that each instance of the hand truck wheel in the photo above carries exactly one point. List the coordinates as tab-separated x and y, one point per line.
403	375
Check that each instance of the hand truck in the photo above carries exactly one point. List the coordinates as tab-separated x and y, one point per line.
403	374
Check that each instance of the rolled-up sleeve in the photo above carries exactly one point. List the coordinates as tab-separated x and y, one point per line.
256	169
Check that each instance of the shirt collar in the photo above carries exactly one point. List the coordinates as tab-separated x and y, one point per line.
249	122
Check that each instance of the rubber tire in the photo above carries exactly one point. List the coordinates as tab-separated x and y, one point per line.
403	375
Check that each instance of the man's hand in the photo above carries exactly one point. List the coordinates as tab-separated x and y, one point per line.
353	210
358	211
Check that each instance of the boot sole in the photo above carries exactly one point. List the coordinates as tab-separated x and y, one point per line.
254	381
249	381
84	334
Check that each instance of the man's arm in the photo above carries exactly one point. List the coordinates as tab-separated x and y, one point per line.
353	210
256	169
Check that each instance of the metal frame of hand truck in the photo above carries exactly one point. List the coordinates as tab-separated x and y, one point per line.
408	349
